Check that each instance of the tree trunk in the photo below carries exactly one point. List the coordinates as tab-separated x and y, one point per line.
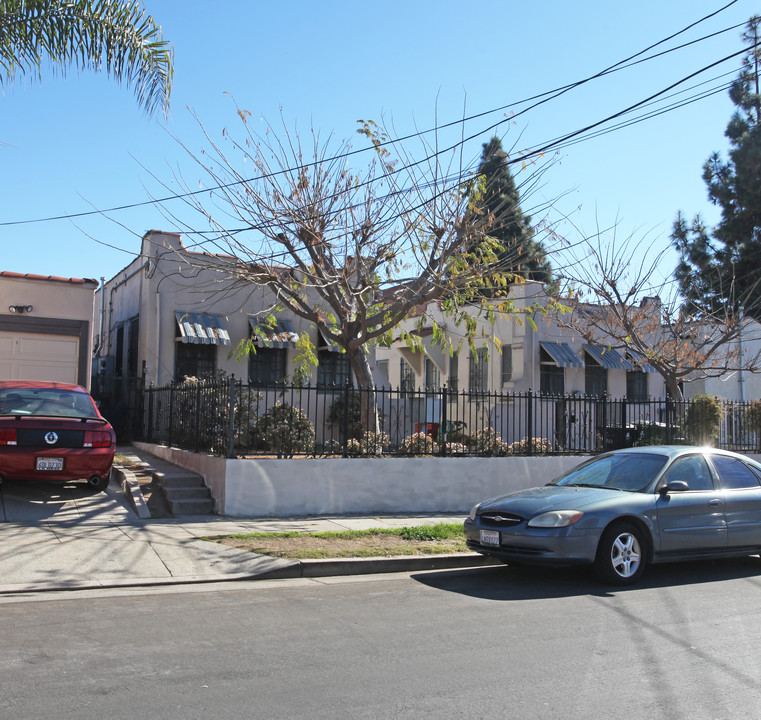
363	374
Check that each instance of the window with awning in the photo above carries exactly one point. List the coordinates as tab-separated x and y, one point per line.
608	358
202	328
561	354
279	335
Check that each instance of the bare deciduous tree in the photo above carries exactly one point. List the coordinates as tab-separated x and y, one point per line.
353	252
622	300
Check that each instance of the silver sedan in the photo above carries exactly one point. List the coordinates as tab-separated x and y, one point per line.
623	510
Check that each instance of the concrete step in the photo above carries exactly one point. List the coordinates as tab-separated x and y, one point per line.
191	507
189	493
178	479
185	492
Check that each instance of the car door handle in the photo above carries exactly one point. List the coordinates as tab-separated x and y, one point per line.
714	503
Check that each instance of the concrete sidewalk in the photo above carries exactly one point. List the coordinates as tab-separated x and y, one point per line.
67	537
77	554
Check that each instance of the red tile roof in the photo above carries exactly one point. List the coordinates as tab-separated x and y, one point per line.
51	278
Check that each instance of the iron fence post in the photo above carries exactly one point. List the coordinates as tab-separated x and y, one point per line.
443	421
347	388
231	424
530	422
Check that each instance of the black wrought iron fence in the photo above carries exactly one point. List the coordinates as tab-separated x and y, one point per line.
229	418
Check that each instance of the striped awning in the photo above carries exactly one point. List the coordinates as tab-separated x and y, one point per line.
202	328
607	357
562	354
278	336
638	362
329	343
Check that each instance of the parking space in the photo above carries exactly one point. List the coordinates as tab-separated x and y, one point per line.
34	502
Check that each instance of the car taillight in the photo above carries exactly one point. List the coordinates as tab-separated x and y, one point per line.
8	436
97	439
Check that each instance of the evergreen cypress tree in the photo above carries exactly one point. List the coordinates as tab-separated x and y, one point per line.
510	226
721	268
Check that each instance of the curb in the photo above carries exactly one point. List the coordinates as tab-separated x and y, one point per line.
131	488
370	566
295	569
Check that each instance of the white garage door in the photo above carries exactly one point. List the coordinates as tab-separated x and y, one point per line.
29	356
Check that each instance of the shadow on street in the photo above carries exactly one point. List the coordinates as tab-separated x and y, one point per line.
503	583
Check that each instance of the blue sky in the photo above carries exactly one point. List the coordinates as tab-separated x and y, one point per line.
80	143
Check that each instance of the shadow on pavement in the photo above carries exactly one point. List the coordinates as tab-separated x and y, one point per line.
35	501
503	583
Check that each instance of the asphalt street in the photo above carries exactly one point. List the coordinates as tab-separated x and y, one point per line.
481	643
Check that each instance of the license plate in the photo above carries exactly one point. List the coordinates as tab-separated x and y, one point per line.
489	537
48	463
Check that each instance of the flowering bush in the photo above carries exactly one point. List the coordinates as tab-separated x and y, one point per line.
487	441
418	444
286	430
539	446
454	448
369	444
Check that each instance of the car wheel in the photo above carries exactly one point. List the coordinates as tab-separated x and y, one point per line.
99	484
621	554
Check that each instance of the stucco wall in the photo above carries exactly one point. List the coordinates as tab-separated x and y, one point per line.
283	488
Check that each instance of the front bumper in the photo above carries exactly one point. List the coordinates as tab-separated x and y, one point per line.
537	546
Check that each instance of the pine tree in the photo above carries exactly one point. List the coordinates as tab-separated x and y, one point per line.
721	267
499	200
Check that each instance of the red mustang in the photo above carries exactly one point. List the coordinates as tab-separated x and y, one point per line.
53	431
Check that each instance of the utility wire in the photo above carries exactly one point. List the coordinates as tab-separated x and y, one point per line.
541	98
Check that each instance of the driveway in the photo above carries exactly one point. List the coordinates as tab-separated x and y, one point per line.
35	502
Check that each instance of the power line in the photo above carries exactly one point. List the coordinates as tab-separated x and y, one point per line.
541	99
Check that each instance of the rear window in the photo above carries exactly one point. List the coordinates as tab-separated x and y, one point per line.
49	402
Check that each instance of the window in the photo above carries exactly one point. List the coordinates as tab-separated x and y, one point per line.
636	386
382	366
406	376
734	474
267	366
479	371
595	377
507	364
551	377
194	360
432	375
453	372
693	470
333	368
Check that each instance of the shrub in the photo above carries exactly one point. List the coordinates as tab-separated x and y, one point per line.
539	446
487	441
701	420
454	448
418	444
753	419
286	430
354	425
370	444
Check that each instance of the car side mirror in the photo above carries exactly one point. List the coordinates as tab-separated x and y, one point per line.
674	486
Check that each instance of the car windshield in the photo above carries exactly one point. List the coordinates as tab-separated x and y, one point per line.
46	401
632	472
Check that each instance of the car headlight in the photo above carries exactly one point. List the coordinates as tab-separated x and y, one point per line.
474	510
556	518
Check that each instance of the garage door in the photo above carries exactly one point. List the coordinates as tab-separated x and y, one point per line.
29	356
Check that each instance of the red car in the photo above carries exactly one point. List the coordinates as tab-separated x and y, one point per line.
53	431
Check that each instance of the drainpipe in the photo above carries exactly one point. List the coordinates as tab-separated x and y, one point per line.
741	374
102	315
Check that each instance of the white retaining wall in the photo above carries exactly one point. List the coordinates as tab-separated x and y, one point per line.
285	488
